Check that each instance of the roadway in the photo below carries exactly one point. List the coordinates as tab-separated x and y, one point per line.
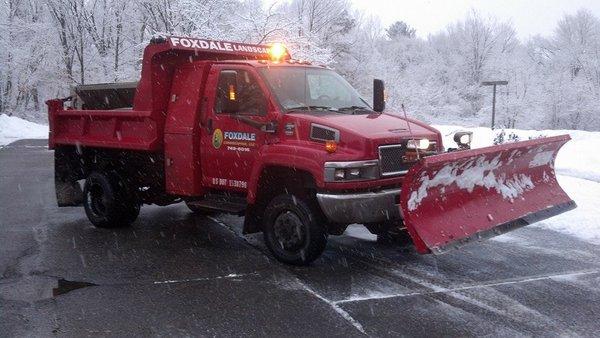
174	273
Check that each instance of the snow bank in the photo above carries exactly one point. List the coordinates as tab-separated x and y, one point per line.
13	128
583	222
578	158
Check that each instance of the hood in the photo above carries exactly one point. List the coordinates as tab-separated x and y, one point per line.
361	135
384	127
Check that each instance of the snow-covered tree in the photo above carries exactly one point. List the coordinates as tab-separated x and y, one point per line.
46	46
400	29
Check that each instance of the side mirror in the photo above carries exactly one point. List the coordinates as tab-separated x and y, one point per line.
230	100
378	95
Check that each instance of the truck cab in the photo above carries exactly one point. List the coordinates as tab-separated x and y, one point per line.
227	127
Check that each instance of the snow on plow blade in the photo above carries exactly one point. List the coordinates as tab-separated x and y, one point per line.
450	199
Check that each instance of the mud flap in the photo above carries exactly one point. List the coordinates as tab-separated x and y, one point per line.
451	199
68	193
67	170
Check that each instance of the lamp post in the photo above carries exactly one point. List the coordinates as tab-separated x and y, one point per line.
494	83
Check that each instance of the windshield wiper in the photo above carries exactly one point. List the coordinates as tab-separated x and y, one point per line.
312	107
355	108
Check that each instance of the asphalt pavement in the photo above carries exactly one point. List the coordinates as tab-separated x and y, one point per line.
177	274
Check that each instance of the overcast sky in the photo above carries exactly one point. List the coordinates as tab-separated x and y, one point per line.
530	17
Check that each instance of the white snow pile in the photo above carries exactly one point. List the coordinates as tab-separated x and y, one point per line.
579	157
475	172
13	128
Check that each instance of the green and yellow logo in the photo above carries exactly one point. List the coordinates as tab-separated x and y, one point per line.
217	138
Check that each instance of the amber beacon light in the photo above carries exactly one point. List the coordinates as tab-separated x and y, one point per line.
277	51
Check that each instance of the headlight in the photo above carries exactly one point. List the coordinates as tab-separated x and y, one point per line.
422	144
339	174
351	171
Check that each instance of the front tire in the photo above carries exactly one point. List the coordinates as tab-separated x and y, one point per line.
293	230
107	201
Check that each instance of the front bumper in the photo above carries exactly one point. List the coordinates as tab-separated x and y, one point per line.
367	207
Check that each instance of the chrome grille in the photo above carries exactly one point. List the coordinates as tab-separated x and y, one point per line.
391	160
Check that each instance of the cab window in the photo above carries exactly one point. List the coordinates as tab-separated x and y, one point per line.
238	92
325	85
298	87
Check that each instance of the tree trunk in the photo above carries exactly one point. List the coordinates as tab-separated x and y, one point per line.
118	42
36	99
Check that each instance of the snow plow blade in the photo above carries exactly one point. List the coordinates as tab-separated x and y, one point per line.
451	199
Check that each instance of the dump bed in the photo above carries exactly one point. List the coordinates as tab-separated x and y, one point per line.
117	128
133	115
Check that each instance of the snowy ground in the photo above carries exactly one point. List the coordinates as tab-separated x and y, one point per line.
13	128
577	165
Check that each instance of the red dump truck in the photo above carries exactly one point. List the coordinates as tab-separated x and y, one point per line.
246	129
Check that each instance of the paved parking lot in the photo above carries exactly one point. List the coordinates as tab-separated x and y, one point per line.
174	273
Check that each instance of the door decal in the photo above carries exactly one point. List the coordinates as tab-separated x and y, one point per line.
234	140
217	138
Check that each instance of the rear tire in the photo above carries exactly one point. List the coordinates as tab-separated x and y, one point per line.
107	201
293	230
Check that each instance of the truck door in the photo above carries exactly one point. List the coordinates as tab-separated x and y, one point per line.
230	145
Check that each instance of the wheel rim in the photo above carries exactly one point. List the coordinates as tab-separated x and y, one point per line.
289	231
96	199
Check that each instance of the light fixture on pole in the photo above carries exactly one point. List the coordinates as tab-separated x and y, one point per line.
494	83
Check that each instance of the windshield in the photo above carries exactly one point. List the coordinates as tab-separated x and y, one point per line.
307	88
